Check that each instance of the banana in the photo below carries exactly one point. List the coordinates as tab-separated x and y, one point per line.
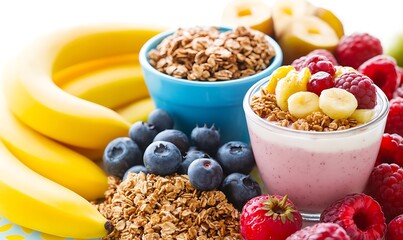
363	115
301	104
337	103
35	202
38	102
278	74
137	111
110	87
67	74
51	159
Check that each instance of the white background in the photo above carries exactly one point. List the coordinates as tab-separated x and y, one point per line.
21	21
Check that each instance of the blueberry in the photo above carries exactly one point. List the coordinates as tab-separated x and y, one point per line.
189	158
240	188
121	154
205	174
135	169
176	137
206	139
236	156
160	119
162	158
142	133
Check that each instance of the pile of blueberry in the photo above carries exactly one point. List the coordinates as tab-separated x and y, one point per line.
155	147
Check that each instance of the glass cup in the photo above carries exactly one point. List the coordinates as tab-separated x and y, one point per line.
314	168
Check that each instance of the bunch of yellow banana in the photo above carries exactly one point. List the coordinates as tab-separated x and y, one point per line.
65	97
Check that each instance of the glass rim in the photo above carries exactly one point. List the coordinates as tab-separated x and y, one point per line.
381	97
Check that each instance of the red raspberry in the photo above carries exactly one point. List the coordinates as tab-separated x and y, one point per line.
383	72
321	231
398	92
357	48
385	185
395	229
394	122
360	86
325	53
298	63
391	150
317	63
269	217
319	82
359	214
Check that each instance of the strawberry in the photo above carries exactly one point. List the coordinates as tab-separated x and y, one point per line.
384	73
321	231
269	217
395	229
385	185
391	150
359	214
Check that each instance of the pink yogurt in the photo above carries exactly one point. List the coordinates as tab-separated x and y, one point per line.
314	168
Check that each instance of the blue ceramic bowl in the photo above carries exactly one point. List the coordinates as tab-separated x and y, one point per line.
192	103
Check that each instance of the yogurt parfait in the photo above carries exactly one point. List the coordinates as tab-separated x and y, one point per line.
315	132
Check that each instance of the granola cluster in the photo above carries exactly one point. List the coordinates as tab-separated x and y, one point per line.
206	54
148	207
265	106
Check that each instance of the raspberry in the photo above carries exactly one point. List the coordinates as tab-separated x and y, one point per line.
356	48
325	53
398	92
394	122
384	73
359	214
317	63
298	63
395	229
319	82
360	86
391	150
320	231
385	185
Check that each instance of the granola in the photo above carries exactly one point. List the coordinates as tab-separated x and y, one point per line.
206	54
147	206
265	106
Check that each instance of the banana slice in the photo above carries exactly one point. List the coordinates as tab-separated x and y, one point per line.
301	104
363	115
340	70
278	74
337	103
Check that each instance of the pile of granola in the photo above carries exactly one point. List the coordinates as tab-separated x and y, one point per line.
147	206
206	54
265	106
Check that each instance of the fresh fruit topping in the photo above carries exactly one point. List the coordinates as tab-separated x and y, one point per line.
363	115
120	154
239	189
319	82
386	186
301	104
320	231
142	133
294	82
189	158
299	63
394	122
135	169
395	229
359	214
337	103
391	150
236	156
162	158
360	86
161	119
340	70
354	49
269	217
278	74
205	174
325	53
317	63
206	139
383	72
176	137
